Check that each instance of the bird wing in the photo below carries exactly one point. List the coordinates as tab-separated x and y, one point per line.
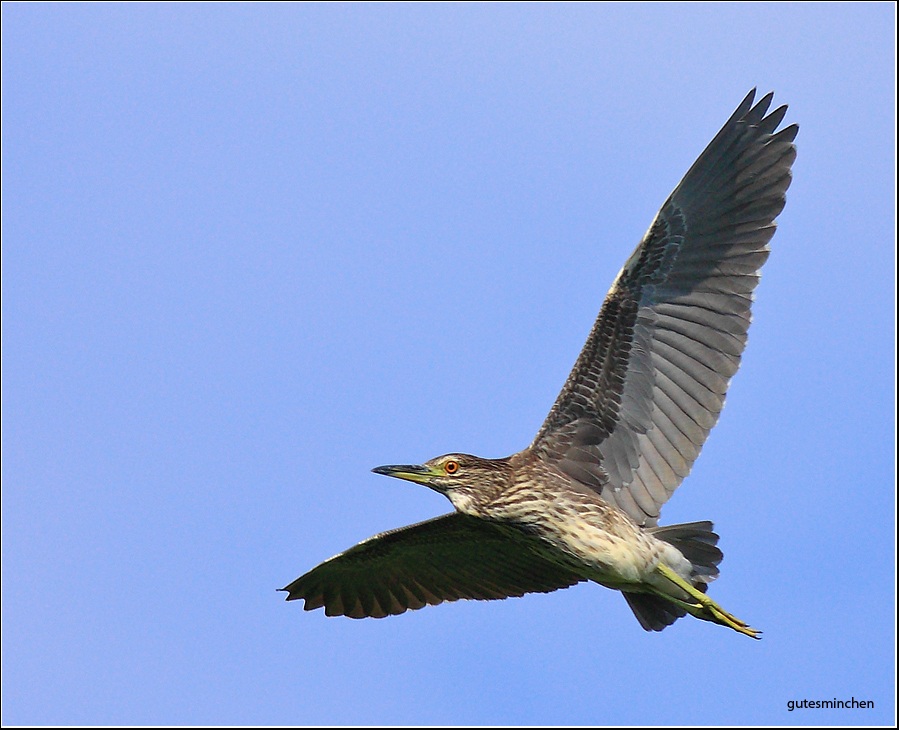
651	379
444	559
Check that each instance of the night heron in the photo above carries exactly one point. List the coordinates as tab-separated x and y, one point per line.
582	501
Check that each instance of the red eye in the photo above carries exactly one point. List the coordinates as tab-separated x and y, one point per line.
451	467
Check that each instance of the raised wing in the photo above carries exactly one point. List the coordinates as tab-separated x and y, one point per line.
651	379
450	557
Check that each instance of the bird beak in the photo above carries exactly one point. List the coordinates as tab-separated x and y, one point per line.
409	472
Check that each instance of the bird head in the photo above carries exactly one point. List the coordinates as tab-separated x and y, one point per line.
465	480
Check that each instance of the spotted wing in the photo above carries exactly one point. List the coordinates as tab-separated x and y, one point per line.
450	557
650	382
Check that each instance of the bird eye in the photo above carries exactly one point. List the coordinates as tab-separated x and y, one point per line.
451	467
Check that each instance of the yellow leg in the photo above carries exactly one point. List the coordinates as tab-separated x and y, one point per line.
705	608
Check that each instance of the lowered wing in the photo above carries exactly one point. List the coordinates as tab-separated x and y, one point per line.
444	559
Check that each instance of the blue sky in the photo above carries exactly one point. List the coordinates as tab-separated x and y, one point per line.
252	251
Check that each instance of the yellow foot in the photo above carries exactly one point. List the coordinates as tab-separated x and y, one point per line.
705	608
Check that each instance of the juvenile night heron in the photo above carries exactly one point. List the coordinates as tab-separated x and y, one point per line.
582	501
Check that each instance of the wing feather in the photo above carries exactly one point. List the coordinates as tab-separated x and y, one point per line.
450	557
650	382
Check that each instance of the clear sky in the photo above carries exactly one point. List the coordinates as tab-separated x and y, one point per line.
252	251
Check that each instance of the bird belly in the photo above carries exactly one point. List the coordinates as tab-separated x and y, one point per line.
614	555
610	560
594	539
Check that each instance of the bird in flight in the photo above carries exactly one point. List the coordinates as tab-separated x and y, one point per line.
582	502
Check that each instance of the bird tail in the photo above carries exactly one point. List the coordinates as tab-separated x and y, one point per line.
653	613
699	544
673	595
